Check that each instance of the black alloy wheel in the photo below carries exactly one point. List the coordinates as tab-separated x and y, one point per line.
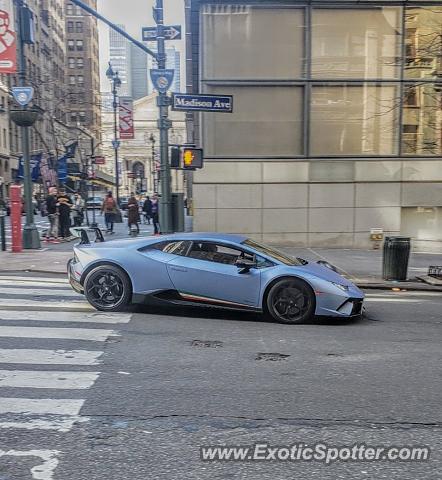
108	288
290	301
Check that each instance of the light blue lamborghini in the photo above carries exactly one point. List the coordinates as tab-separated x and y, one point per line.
209	269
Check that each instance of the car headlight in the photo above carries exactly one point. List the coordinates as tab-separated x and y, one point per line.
344	288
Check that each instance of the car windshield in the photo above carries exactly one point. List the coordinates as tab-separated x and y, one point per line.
272	253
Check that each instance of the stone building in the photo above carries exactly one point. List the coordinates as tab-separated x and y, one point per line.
336	127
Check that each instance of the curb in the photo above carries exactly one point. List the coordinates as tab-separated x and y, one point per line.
410	288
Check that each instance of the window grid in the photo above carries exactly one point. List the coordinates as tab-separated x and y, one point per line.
307	82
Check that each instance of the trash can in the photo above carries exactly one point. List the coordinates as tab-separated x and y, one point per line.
395	258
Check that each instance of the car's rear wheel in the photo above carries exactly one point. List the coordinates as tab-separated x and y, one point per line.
291	300
108	288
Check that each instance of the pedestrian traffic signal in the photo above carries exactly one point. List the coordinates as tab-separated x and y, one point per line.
192	158
175	157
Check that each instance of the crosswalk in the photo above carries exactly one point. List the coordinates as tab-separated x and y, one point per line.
51	348
42	226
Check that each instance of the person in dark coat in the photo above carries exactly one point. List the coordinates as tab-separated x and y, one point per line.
133	215
147	209
156	215
64	209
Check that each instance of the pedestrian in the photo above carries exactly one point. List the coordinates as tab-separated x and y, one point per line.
155	215
64	210
133	214
78	210
109	208
147	209
52	211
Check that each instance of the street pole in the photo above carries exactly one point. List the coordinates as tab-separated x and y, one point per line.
116	143
31	238
164	124
94	220
2	217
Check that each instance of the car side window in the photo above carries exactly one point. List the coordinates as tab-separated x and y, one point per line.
175	248
218	253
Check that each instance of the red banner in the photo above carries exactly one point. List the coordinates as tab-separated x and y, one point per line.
8	49
16	211
127	131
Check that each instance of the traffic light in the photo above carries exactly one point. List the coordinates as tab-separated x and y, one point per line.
192	158
175	157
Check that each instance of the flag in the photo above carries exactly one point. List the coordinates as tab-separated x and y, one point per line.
126	115
63	168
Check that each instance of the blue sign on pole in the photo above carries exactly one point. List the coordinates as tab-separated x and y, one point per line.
171	32
23	95
162	79
202	103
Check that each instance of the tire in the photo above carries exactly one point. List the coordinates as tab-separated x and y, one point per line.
291	301
115	280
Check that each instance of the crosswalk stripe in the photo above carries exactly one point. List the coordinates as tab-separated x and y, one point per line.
40	406
22	283
55	316
43	471
75	305
47	379
91	334
50	357
58	422
13	278
39	291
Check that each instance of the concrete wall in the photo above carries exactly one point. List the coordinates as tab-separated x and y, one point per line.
320	203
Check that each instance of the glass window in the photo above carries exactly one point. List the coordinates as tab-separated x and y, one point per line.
265	121
266	43
71	45
79	45
80	62
70	27
213	252
69	9
273	253
354	120
80	80
71	62
423	42
421	120
79	27
72	80
356	43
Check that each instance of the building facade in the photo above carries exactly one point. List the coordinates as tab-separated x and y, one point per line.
139	158
120	59
336	127
82	69
139	72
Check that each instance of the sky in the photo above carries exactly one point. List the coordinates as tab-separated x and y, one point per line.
135	14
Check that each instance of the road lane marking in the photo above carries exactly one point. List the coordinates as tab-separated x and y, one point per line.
48	292
47	379
75	317
40	406
72	305
91	334
23	283
393	300
58	423
44	471
50	357
36	279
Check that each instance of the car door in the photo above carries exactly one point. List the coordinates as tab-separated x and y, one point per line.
208	274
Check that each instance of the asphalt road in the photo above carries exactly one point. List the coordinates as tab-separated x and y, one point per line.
135	396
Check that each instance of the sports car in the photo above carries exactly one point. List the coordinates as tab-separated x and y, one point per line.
209	269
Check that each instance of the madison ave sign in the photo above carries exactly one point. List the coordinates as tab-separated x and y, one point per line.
202	103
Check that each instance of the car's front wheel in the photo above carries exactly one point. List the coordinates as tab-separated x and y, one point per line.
291	300
108	288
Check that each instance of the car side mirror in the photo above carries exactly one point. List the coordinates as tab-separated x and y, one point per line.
245	265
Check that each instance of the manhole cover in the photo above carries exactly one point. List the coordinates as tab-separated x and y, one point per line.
206	343
271	357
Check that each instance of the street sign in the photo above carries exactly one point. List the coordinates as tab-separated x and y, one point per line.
99	160
115	143
162	79
171	32
202	103
23	95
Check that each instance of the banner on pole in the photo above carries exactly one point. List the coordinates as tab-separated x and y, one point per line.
8	37
63	169
35	162
126	114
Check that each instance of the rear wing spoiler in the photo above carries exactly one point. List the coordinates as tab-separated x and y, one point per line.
82	234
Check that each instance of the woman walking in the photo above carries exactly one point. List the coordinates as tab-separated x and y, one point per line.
133	215
109	208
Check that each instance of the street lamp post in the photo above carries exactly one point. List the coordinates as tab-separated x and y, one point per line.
24	118
116	84
152	163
